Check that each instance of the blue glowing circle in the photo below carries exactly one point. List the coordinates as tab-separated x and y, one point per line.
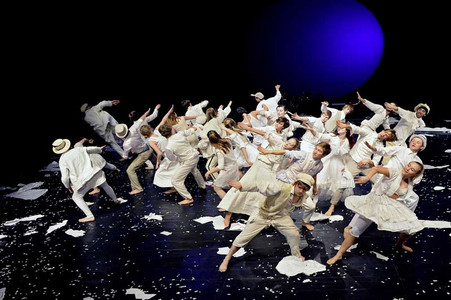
323	47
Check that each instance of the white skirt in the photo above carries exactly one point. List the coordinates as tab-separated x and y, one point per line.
389	214
164	173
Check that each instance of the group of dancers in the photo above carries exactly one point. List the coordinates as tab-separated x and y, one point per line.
259	168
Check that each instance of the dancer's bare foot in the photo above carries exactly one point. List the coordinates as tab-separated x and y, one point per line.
301	257
186	202
334	259
135	192
224	265
329	212
227	218
404	247
86	219
94	191
308	226
170	191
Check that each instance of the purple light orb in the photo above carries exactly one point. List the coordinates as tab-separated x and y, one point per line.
323	47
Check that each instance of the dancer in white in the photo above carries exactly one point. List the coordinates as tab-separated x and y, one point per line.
179	148
410	120
97	159
195	111
134	143
336	115
102	122
334	175
280	200
227	166
309	140
79	174
381	206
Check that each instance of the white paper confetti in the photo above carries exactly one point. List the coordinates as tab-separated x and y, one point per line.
318	217
335	218
237	226
27	192
292	265
56	226
15	221
51	167
139	294
225	250
153	216
2	236
121	200
75	233
448	151
30	232
203	220
350	248
439	188
435	224
380	256
166	233
306	280
428	167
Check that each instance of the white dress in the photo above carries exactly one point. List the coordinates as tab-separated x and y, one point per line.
264	169
166	170
229	169
240	141
389	214
334	174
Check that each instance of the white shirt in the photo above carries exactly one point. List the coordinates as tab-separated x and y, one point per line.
304	164
179	148
196	111
76	167
360	151
99	119
134	141
316	124
407	124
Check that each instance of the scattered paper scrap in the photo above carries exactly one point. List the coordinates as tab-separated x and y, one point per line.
30	232
380	256
318	217
56	226
335	218
292	265
75	233
435	224
15	221
225	250
439	188
166	233
51	167
153	216
448	151
203	220
306	280
2	236
428	167
350	248
237	226
121	200
2	293
139	294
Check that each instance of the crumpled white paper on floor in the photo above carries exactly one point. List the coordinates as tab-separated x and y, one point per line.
153	216
139	294
27	192
225	250
56	226
75	233
15	221
292	265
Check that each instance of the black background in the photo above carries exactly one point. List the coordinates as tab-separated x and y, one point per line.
57	58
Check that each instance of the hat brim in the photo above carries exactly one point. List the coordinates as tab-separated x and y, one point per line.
64	149
123	135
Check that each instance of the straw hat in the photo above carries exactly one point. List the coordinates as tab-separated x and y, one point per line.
84	107
61	145
121	130
305	178
424	106
258	95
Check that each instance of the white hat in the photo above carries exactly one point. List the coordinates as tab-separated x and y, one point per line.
305	178
258	95
422	137
61	145
121	130
84	107
424	106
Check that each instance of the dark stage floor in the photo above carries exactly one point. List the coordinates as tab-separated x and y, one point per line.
122	250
